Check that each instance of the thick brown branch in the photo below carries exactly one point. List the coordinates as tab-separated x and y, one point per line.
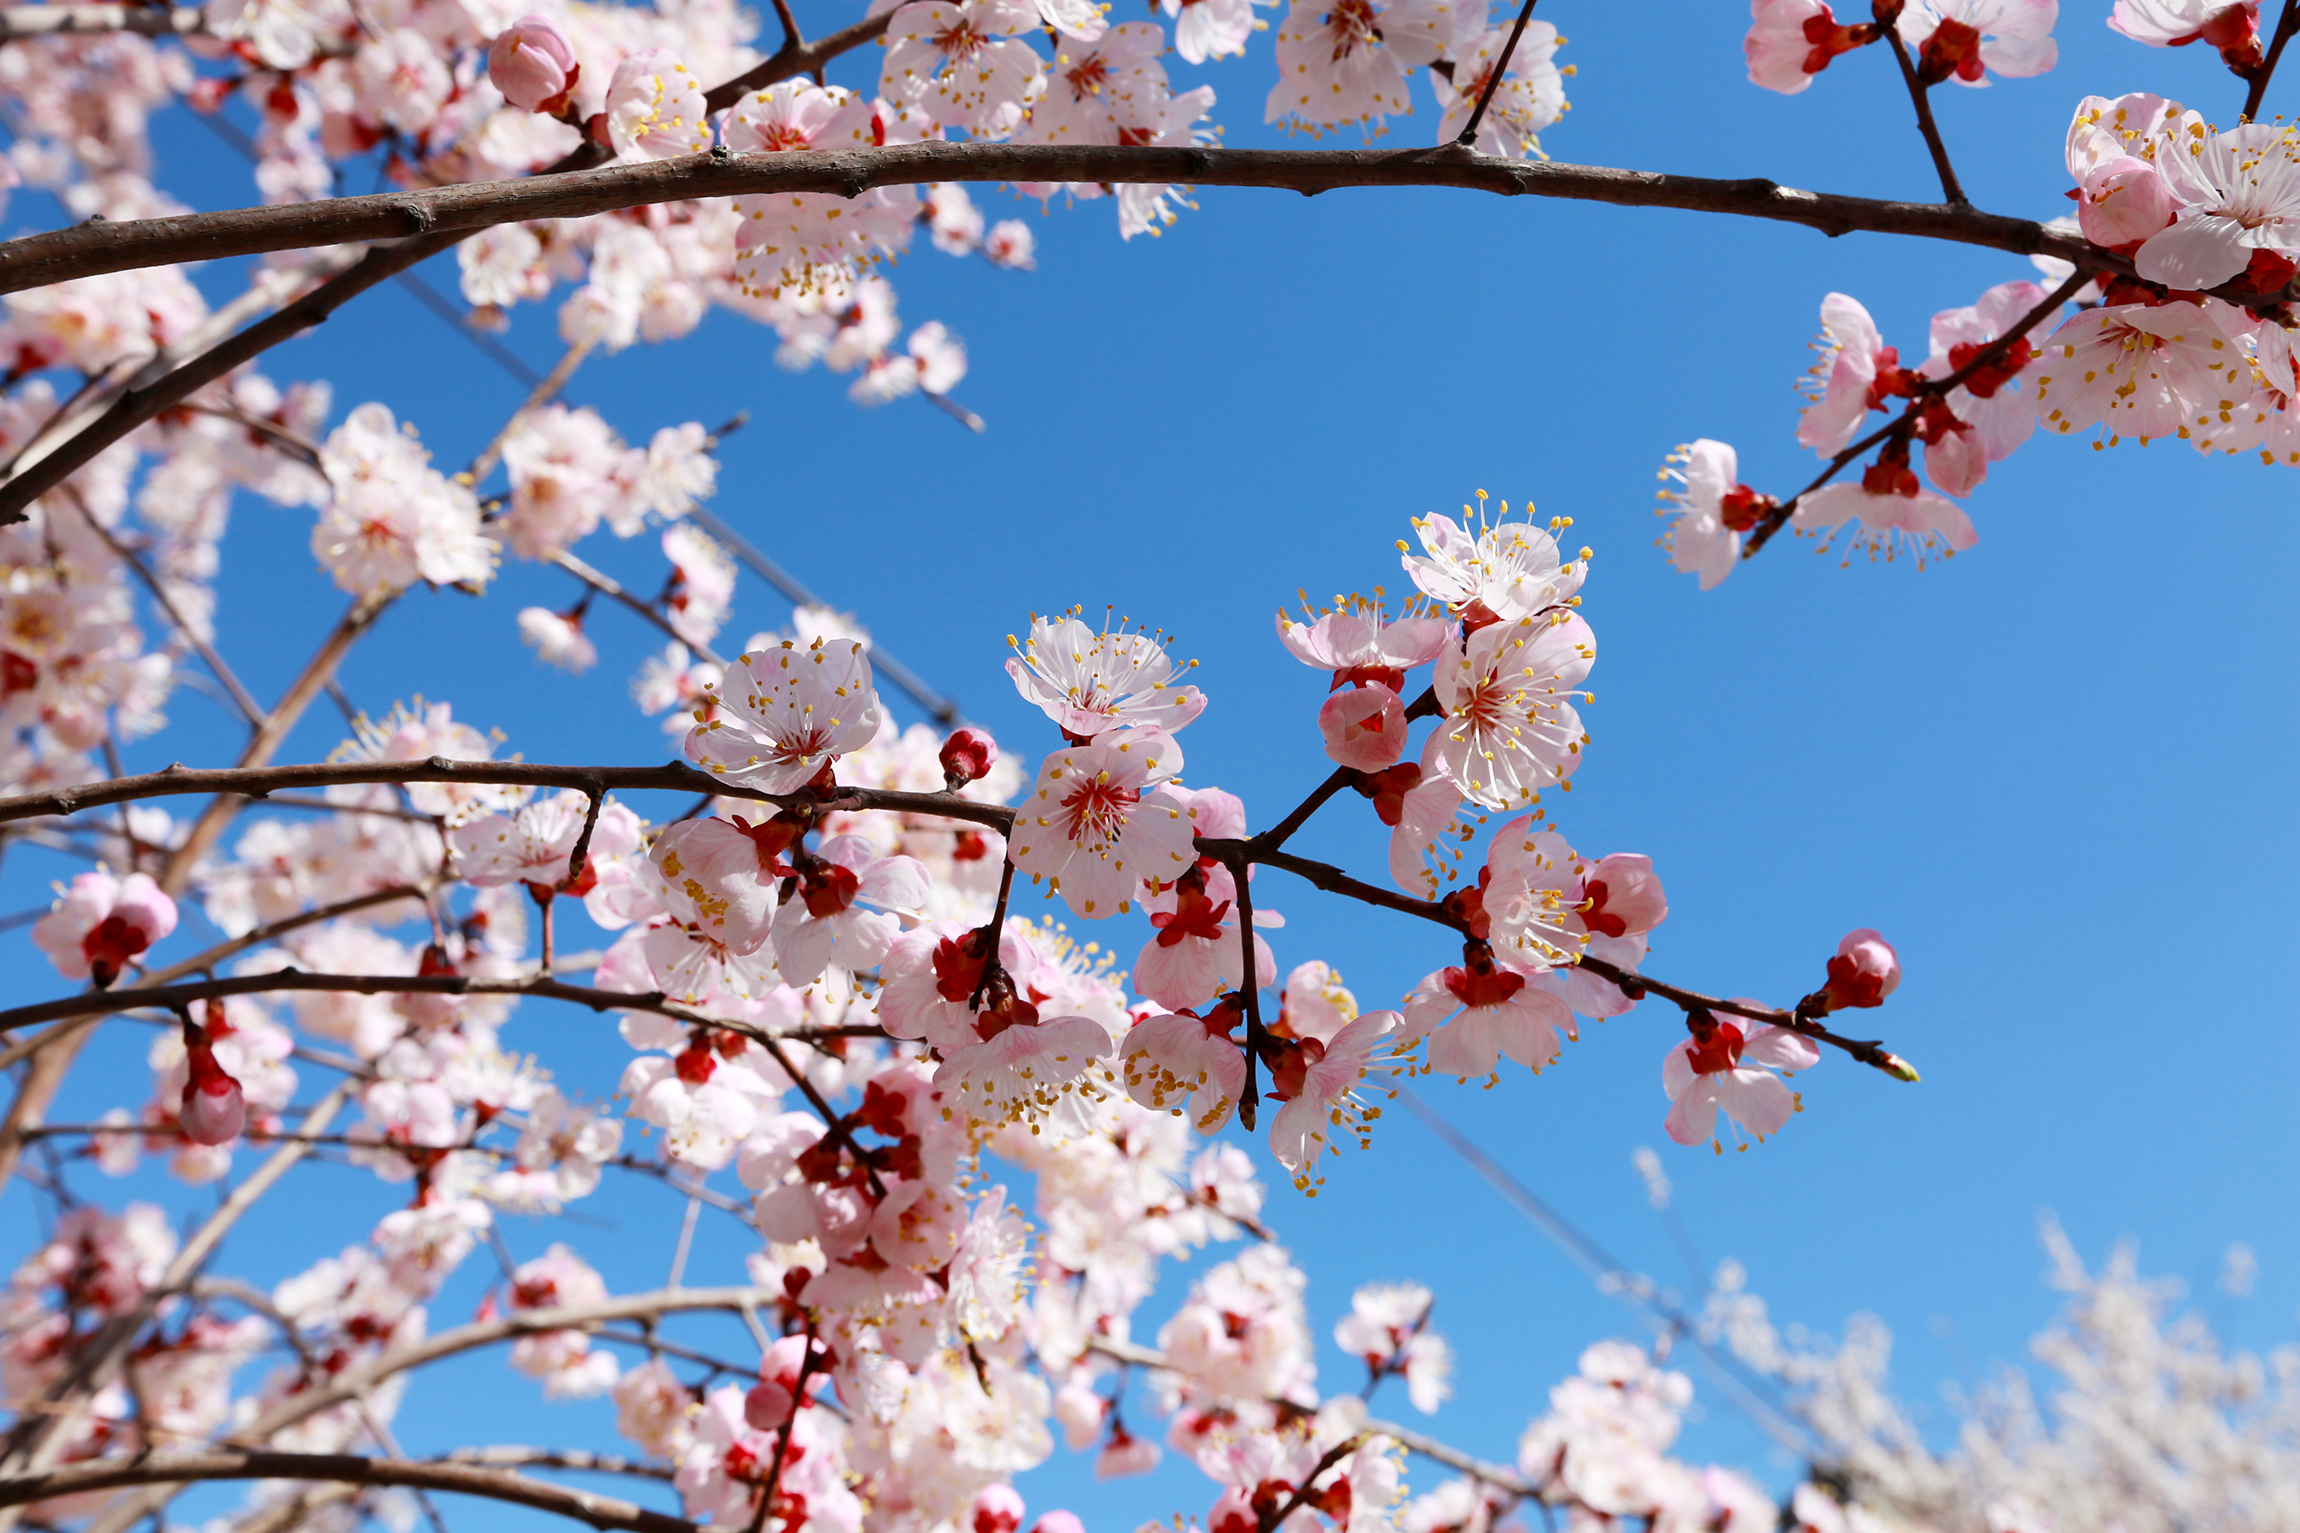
448	211
169	997
676	776
465	1479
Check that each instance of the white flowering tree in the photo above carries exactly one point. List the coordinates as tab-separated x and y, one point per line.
842	1034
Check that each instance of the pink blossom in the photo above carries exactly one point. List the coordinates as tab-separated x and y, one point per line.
1508	570
1888	512
1864	972
1011	245
2138	368
213	1109
1481	1011
1724	1065
101	923
1324	1105
1122	1455
1089	682
1856	373
1993	401
722	875
1790	41
1211	29
1961	39
1364	726
1333	67
655	108
1186	1064
1713	510
1623	896
1357	641
1195	951
823	923
965	63
791	240
1531	95
534	66
557	638
1099	824
1020	1072
533	844
1509	728
781	714
2232	29
2239	193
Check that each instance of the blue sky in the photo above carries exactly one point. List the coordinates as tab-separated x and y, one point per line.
2055	771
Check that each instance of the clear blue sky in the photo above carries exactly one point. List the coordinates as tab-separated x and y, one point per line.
2055	772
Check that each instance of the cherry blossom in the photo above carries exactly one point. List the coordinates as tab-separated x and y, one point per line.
557	638
781	713
1477	1013
1961	39
1855	374
1864	972
2232	29
1333	67
964	62
1211	29
1999	418
1089	683
1322	1103
1358	642
1509	728
532	845
655	108
2138	368
1531	95
2239	196
1729	1064
1713	510
786	240
1099	823
1509	570
213	1108
1186	1064
533	64
102	923
1889	511
392	519
1790	41
823	924
1364	727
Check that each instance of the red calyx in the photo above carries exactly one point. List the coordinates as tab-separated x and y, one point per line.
969	847
1743	508
1985	381
1193	915
1890	474
17	674
1893	381
1388	790
1716	1045
2236	33
958	964
1596	917
1479	982
966	757
697	1063
435	960
827	888
1829	39
108	949
1477	615
883	1111
1359	675
1289	1060
1937	420
1468	907
1848	986
2268	273
773	837
1953	49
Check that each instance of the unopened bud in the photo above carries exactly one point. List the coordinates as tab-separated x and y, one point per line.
1864	972
533	65
1901	1070
213	1109
966	757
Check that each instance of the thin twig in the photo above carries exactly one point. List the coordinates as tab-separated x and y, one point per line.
2286	25
1467	138
1921	94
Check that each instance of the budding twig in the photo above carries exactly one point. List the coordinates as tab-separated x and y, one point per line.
1468	135
1921	94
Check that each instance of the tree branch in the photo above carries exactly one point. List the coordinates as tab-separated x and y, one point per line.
1921	95
446	213
107	1002
1926	391
2286	25
443	1475
675	776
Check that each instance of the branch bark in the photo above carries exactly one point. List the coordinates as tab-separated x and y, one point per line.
494	1484
39	259
81	20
